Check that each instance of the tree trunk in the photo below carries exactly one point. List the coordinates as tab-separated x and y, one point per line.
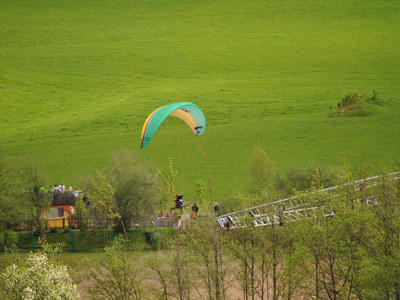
262	275
316	278
252	271
274	264
290	273
216	257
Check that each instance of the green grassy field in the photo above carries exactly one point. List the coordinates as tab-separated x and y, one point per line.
78	78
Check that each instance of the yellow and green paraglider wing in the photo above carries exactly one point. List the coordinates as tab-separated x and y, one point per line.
186	111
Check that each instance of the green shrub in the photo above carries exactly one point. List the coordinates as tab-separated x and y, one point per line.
355	104
236	201
88	241
351	99
82	215
374	97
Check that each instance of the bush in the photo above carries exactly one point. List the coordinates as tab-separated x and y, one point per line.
298	179
351	99
82	215
353	104
38	279
350	104
235	202
118	277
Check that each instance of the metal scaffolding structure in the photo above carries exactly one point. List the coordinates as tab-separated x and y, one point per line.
305	205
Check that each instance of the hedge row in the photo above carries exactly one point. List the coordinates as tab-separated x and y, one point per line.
77	241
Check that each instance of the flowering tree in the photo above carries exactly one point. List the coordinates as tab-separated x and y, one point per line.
38	279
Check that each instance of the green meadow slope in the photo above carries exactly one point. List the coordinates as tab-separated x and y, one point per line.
78	78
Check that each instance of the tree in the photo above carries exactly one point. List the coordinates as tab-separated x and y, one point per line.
167	187
180	259
337	242
294	262
38	278
135	186
101	190
35	195
263	176
236	201
384	255
13	209
81	214
200	192
207	246
298	179
159	265
126	189
244	247
119	276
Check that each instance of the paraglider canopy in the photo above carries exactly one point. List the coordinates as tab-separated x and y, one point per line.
186	111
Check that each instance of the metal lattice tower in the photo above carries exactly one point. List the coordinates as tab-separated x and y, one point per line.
293	208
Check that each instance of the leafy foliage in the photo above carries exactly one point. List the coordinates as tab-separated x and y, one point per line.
167	185
103	192
37	278
351	99
13	209
135	187
81	214
127	188
200	195
35	195
353	104
234	202
118	276
263	174
22	195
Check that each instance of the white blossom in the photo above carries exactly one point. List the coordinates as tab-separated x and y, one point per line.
39	279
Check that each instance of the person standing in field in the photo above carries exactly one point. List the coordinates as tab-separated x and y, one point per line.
195	209
216	209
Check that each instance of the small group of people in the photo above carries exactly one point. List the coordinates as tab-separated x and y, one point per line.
61	188
179	205
195	208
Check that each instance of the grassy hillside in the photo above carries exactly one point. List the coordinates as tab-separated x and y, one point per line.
78	78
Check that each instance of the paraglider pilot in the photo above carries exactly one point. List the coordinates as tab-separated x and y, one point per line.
179	201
